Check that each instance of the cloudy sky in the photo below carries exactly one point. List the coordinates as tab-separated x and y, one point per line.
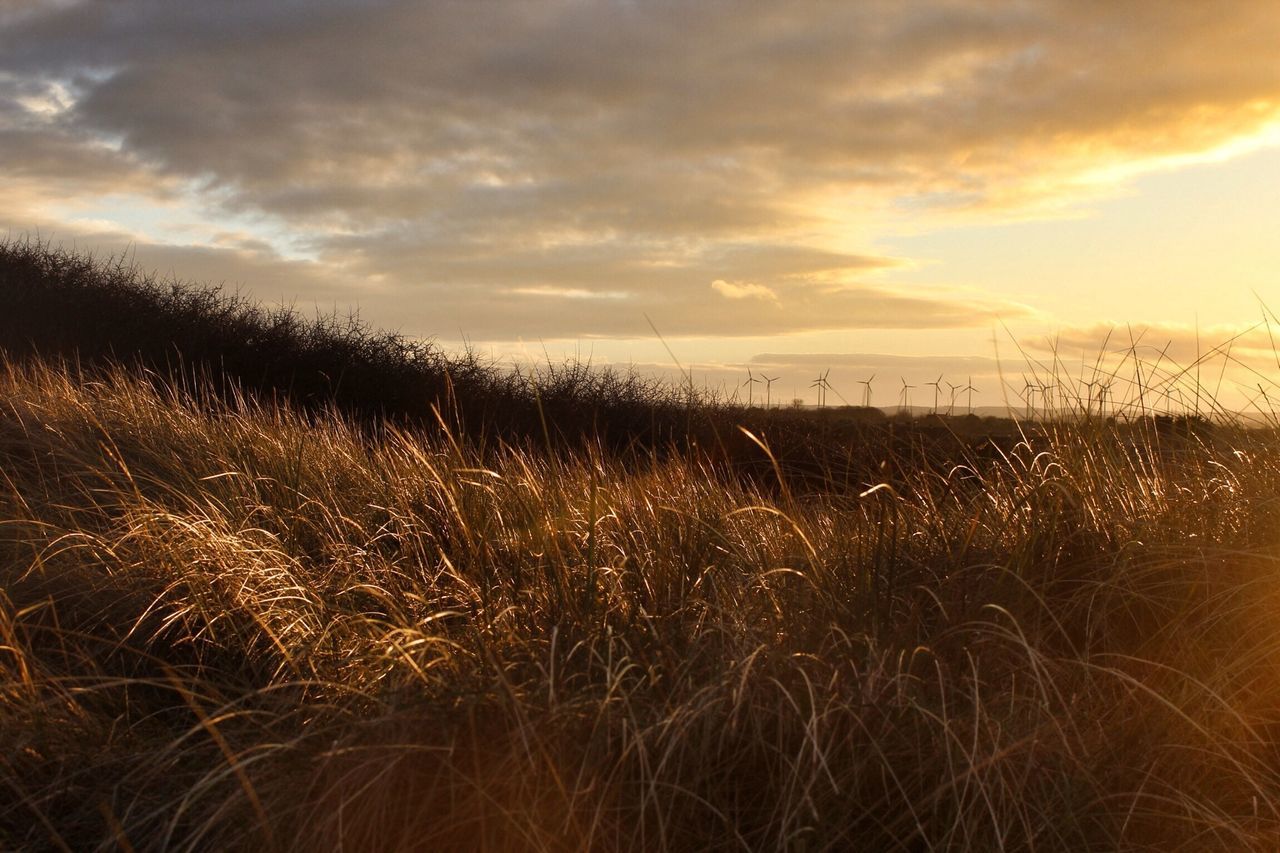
867	185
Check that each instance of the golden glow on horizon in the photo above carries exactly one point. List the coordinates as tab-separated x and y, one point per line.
1267	136
888	179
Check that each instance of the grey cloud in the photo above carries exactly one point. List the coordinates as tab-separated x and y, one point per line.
618	288
270	95
463	154
531	315
67	166
1253	345
41	148
235	263
881	362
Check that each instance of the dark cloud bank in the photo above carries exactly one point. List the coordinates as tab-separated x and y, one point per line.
563	167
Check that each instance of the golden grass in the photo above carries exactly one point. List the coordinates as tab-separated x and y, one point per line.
226	626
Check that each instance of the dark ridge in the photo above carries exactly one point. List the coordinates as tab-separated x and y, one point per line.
94	312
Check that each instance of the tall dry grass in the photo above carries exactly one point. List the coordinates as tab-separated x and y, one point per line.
229	626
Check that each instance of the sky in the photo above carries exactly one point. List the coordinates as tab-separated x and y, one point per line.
956	187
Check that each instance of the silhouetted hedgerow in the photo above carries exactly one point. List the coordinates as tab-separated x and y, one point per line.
93	311
97	312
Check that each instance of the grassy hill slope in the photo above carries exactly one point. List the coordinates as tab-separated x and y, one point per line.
239	615
239	627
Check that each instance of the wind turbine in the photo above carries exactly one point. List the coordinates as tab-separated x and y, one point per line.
866	392
1088	395
970	389
751	387
768	388
1028	394
906	395
937	390
826	385
822	385
951	407
1046	398
1104	391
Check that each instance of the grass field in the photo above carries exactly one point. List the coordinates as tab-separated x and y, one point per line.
234	621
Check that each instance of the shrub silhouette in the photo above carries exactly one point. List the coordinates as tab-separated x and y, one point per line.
94	312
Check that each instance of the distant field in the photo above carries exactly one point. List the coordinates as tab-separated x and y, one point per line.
242	608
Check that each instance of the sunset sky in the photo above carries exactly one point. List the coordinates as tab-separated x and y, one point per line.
792	186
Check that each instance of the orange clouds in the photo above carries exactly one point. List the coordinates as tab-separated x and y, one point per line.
742	290
497	167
